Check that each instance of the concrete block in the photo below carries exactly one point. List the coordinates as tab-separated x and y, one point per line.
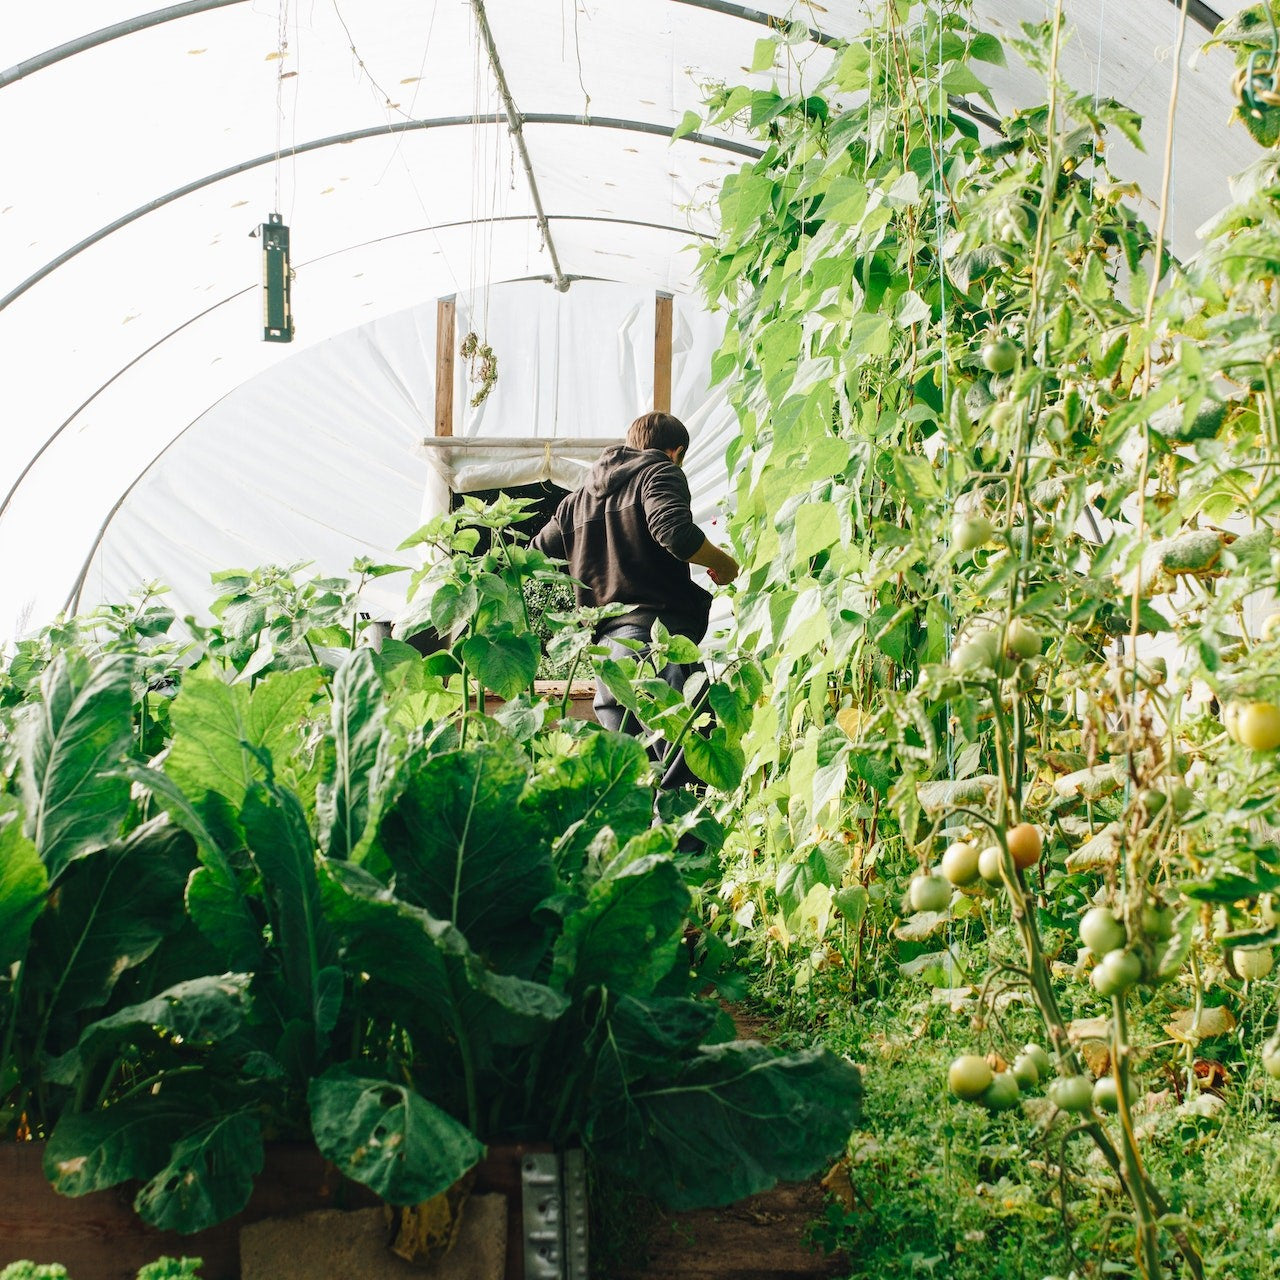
333	1245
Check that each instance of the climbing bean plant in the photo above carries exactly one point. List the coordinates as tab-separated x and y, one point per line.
1006	492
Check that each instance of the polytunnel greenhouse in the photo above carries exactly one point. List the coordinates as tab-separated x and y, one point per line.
640	640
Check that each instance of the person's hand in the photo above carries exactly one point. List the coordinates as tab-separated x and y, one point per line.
724	571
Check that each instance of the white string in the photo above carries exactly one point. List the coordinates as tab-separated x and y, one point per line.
389	109
939	216
577	49
1097	90
282	47
477	142
413	100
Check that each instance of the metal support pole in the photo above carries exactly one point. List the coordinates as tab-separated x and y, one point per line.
515	126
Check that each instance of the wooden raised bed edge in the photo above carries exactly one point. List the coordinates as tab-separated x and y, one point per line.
99	1237
581	697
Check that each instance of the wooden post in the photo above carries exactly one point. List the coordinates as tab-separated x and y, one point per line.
445	334
662	312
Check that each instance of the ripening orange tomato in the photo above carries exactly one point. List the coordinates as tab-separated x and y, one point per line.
1024	844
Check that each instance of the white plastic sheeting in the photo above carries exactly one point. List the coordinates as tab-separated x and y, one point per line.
135	170
352	413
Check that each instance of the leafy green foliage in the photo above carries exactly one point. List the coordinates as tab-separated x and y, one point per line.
223	733
389	1137
673	1130
330	899
357	720
923	329
23	882
207	1176
163	1268
644	903
72	737
459	845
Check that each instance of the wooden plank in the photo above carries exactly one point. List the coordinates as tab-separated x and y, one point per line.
99	1237
662	316
446	326
581	698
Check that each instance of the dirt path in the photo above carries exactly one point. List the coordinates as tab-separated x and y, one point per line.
761	1238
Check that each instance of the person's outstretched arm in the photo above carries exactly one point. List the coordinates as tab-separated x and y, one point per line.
721	567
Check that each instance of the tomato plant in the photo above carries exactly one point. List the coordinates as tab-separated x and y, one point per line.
946	340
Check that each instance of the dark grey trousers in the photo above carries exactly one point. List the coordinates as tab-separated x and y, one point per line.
612	716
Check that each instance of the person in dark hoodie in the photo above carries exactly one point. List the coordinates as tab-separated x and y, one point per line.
629	537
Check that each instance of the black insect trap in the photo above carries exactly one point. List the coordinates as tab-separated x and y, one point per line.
277	312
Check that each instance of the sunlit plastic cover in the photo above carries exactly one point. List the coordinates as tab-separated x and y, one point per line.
149	432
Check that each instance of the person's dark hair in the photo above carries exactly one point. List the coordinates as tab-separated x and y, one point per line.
658	431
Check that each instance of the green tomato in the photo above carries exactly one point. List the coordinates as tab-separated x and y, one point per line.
1025	1071
1152	800
1022	639
1258	725
999	355
1002	1094
968	1077
971	532
960	862
1116	972
1037	1054
1252	963
1271	1057
930	893
1181	797
989	864
977	654
1101	930
1106	1094
1071	1093
1002	415
1157	921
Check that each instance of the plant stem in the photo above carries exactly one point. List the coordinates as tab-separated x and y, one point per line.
1144	1223
355	612
469	1079
466	707
567	700
1132	1177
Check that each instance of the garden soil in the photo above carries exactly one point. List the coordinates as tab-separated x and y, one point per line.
333	1245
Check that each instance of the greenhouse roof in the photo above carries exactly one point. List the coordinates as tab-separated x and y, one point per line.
142	149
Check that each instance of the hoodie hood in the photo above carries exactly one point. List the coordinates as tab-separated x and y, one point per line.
617	466
627	535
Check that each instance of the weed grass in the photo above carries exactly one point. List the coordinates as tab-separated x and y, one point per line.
935	1187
